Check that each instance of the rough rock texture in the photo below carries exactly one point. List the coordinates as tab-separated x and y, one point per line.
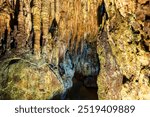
128	29
24	79
110	77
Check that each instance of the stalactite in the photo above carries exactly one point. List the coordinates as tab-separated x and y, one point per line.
85	18
45	23
75	22
5	11
62	23
52	8
36	12
21	38
21	17
57	15
28	22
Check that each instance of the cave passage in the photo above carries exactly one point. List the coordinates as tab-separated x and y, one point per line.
86	66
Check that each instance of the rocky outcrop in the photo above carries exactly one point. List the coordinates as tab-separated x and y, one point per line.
22	78
127	29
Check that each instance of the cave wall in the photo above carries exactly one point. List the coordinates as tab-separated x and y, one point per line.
128	31
45	29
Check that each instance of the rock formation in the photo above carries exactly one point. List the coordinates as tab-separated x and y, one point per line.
46	44
128	34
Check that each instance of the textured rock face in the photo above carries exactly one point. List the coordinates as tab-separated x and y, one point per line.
23	79
128	36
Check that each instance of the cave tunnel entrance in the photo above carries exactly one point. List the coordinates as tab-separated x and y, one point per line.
87	66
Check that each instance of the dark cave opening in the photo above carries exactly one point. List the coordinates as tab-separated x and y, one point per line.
84	68
80	91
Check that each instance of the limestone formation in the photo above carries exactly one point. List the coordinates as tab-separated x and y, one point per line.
101	43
